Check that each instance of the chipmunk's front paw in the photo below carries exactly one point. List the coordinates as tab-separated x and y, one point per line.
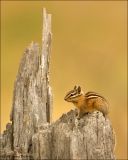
78	117
76	114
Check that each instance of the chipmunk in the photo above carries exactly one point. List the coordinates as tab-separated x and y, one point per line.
87	102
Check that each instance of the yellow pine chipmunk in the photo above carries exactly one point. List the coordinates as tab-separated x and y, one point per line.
87	102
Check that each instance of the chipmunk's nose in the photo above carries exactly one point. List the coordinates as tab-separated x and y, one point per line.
65	98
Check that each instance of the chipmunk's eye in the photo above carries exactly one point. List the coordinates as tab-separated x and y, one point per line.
71	94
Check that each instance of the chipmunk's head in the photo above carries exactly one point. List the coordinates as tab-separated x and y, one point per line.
74	95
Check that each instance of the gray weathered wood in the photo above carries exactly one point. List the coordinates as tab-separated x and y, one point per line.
31	134
32	96
91	137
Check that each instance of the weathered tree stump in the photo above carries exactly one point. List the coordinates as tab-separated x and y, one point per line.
91	137
31	134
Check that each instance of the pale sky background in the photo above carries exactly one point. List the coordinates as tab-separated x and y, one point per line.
89	48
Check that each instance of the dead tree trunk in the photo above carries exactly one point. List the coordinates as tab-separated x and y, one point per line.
32	95
91	137
31	135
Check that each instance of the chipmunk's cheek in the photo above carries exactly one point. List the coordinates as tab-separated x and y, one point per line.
68	100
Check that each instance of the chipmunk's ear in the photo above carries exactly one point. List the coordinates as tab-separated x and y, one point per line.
75	87
79	89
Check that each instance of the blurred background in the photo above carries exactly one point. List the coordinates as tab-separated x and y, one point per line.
89	48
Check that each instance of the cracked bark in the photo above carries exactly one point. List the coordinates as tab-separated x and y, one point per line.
31	134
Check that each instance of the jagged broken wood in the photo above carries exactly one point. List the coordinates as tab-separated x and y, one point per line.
32	93
31	134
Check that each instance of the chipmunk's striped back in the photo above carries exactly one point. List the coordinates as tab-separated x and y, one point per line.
90	95
88	102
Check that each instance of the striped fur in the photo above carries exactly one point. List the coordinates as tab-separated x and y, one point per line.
73	93
88	102
90	95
